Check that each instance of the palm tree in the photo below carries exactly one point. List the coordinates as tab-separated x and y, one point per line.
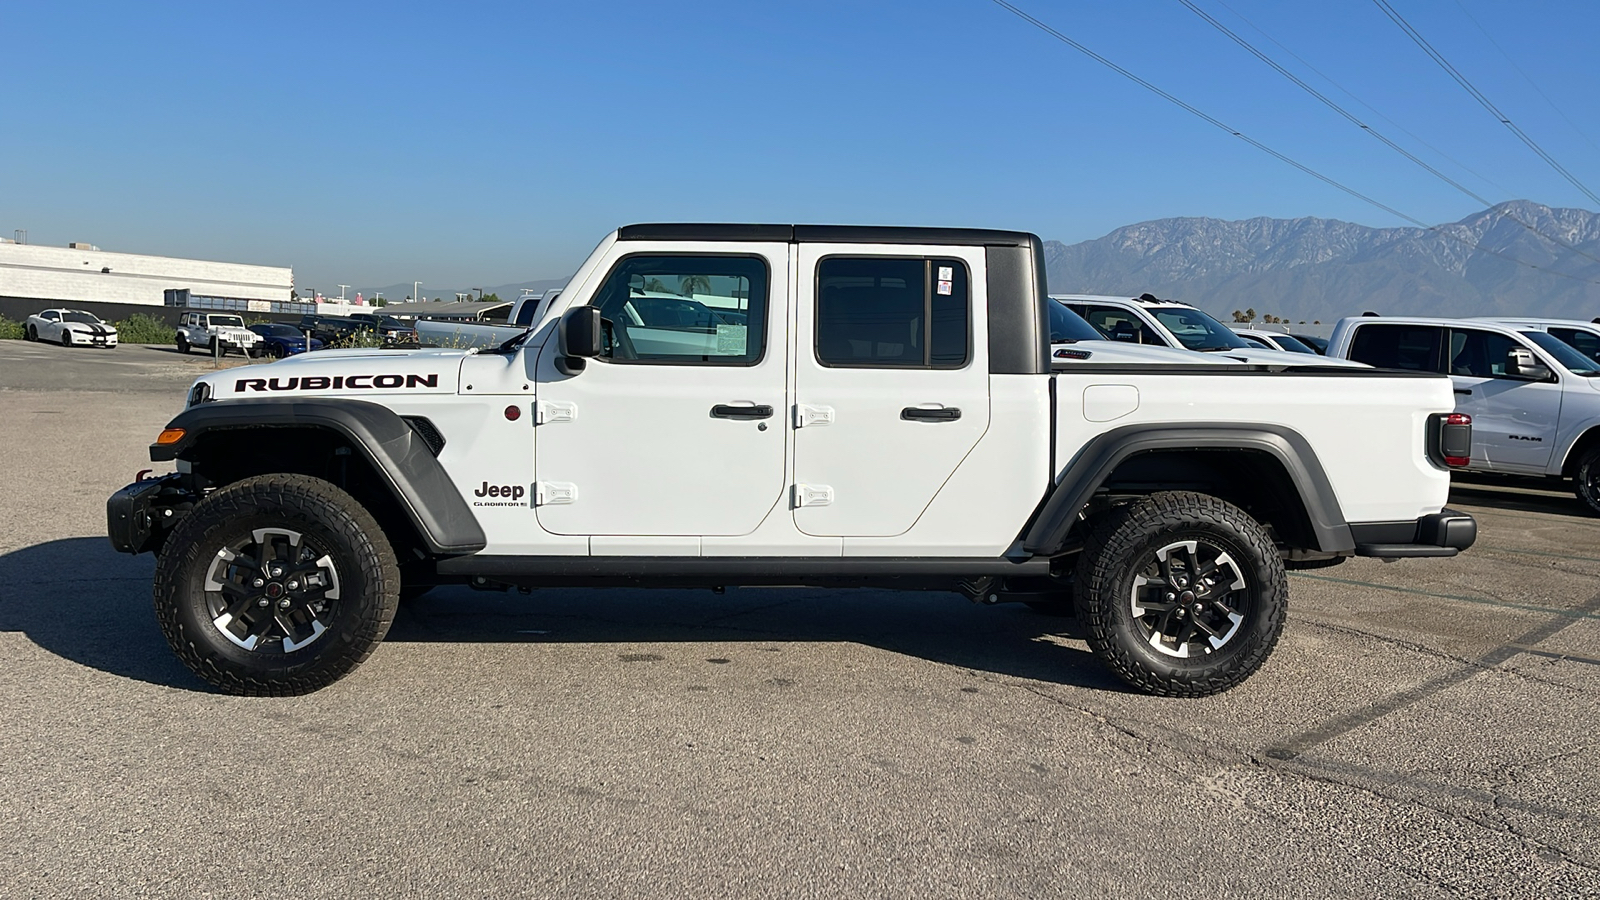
689	285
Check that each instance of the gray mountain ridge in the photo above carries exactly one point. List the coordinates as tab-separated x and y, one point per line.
1309	268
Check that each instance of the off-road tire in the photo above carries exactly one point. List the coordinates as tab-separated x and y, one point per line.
1125	542
217	349
1586	480
328	519
183	344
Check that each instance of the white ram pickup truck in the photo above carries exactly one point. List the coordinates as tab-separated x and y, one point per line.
872	407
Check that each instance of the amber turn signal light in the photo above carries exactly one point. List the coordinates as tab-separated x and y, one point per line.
170	436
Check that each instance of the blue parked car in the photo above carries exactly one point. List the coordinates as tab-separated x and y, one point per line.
278	340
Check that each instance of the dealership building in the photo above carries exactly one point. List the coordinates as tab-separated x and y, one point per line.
34	277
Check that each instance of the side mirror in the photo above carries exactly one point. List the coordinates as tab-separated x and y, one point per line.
1521	363
580	337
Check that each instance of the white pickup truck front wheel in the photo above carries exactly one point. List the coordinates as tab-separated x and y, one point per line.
1181	594
276	585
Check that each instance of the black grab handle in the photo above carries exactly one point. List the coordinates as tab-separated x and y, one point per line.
943	414
723	411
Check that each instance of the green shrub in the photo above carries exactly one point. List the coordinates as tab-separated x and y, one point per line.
365	339
142	328
9	330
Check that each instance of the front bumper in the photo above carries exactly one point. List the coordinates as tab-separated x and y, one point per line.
139	517
1445	533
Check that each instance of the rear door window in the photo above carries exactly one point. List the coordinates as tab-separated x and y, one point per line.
903	312
1412	347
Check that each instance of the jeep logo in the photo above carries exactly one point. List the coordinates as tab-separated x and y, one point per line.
511	491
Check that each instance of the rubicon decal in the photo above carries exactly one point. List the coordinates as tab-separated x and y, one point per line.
503	494
335	383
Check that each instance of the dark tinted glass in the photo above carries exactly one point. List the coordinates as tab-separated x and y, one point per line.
1119	325
1479	353
1067	326
1414	347
1581	341
892	312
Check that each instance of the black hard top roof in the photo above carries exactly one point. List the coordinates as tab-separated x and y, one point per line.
834	234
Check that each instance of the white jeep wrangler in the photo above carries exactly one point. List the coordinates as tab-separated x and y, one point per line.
216	333
858	406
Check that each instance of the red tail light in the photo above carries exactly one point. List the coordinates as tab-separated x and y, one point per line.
1455	440
1458	419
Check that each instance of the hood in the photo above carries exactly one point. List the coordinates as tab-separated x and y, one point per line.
1119	352
87	328
342	373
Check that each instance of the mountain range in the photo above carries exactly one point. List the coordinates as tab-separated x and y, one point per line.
1514	258
1309	269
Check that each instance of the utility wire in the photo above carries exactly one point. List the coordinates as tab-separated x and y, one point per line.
1347	115
1439	229
1525	76
1367	106
1455	74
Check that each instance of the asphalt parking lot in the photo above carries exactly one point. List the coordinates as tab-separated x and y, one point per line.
1426	728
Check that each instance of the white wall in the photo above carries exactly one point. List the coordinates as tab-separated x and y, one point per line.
59	273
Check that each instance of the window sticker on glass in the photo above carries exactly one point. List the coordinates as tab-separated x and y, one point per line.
944	285
731	339
946	273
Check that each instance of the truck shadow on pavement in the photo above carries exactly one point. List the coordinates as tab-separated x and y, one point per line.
1509	497
84	602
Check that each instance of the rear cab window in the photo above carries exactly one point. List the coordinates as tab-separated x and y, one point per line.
1415	348
904	312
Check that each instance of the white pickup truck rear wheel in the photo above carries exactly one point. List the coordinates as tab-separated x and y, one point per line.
1181	594
276	585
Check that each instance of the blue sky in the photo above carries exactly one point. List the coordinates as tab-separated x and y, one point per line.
485	143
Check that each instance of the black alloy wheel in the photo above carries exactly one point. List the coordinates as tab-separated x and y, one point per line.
276	585
1182	594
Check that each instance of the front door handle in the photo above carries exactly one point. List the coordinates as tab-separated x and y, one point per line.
724	411
942	414
1465	391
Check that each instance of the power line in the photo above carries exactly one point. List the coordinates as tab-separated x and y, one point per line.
1369	107
1455	74
1438	229
1346	114
1525	76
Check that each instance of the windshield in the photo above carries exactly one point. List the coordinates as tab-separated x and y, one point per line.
1292	344
1197	331
1067	327
226	321
1572	360
81	317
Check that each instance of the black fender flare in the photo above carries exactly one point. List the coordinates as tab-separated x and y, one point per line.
396	452
1101	456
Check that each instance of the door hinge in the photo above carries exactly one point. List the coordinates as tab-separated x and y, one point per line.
554	493
812	495
549	411
805	414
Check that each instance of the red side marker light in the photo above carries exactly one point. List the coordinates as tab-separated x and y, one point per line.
513	413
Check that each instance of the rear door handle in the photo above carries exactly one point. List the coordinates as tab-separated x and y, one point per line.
942	414
724	411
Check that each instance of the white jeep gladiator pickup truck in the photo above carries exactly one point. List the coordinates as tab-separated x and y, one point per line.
871	407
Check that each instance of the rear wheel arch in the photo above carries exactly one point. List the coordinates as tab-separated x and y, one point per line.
1268	470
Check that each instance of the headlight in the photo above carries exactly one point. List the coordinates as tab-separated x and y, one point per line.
200	393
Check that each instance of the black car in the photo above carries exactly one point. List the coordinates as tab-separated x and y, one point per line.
1316	343
393	330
